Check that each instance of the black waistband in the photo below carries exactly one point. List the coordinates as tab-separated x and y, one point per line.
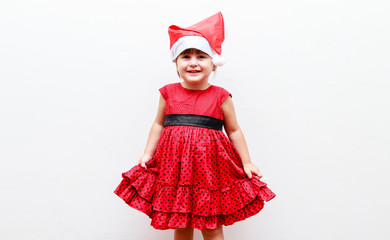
193	120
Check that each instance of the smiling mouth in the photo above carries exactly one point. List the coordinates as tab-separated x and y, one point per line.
193	71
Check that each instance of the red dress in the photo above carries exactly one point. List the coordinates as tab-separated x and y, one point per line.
195	177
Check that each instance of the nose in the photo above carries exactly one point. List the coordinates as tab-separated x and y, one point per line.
193	61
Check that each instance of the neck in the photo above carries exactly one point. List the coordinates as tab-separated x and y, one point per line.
199	86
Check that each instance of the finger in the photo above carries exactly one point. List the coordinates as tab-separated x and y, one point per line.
258	174
143	164
249	174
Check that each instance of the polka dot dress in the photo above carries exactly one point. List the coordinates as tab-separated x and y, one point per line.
195	177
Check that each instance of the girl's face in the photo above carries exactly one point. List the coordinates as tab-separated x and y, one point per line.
194	66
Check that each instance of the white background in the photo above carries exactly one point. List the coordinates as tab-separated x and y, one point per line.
79	91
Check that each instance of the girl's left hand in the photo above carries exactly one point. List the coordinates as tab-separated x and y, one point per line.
250	168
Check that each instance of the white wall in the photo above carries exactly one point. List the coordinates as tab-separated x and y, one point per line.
79	90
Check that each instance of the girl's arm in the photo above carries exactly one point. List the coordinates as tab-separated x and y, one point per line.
155	133
236	136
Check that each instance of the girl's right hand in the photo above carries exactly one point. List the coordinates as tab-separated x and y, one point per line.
144	159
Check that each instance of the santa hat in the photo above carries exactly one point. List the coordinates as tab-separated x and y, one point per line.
206	35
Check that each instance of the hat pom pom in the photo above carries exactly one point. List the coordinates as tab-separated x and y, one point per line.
218	60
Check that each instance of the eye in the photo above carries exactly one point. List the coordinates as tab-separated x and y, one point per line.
185	56
202	56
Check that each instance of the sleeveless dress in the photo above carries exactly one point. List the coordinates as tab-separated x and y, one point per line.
195	177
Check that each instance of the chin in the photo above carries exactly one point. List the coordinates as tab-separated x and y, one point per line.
191	81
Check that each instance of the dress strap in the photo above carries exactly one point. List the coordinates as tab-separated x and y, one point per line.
193	120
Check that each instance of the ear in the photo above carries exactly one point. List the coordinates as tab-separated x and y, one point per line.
214	67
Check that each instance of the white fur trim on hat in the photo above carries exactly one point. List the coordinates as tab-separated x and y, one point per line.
218	60
197	42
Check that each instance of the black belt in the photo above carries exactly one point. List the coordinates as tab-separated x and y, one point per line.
193	120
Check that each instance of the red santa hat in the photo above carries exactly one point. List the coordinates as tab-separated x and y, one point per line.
206	35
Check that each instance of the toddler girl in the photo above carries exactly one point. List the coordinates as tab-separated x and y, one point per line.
191	174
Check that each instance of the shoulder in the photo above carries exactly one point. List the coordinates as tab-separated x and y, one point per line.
221	89
223	93
170	85
166	89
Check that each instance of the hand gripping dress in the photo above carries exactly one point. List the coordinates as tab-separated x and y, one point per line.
195	177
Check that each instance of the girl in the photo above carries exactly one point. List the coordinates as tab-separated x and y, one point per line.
191	174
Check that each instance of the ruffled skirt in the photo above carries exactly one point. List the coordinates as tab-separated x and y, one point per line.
195	178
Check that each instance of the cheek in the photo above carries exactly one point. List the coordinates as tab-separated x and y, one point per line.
210	67
180	69
180	66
